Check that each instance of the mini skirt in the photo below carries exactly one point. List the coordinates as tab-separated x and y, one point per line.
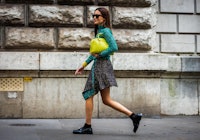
101	76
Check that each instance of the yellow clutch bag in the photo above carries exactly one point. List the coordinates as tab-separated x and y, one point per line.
98	45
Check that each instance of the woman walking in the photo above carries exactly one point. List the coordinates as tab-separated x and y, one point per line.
101	76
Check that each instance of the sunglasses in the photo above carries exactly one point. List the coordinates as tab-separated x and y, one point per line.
97	16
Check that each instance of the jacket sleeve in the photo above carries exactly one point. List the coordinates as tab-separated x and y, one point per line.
89	59
111	43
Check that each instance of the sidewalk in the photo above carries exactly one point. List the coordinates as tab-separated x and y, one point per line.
164	128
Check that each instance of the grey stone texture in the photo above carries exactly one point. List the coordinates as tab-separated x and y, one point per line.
198	6
132	3
174	64
61	60
177	43
30	1
10	108
189	23
75	38
177	93
140	3
19	61
56	15
12	14
0	37
199	94
190	64
198	43
177	6
76	2
131	61
167	23
128	39
142	18
29	38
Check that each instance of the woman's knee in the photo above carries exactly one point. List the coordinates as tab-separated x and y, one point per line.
105	95
106	101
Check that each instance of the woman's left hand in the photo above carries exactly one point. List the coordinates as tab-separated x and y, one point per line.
79	70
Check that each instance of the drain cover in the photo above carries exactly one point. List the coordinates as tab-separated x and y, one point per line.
20	124
11	84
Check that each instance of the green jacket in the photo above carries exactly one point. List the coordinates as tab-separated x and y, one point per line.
106	33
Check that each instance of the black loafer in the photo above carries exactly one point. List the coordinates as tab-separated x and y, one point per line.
136	121
83	131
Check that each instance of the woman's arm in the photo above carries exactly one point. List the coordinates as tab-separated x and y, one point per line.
80	69
111	42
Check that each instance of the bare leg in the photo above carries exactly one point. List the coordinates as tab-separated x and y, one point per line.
88	110
86	129
105	94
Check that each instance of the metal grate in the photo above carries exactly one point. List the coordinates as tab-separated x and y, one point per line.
11	84
24	124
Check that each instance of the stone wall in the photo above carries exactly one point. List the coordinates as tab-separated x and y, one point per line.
43	42
178	32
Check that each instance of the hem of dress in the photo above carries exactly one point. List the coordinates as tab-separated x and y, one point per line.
87	94
110	86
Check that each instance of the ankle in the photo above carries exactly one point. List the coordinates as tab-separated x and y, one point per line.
132	115
87	125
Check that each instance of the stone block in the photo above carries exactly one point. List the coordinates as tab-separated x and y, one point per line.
19	61
174	64
137	94
62	60
128	3
133	18
30	1
199	94
186	26
9	107
12	14
156	47
135	39
0	37
179	96
133	61
19	73
167	23
55	98
190	64
56	15
177	43
29	38
198	43
76	2
198	6
75	38
177	6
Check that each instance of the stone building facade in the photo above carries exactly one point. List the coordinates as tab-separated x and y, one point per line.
43	42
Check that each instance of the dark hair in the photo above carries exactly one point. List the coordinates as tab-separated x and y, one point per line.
106	15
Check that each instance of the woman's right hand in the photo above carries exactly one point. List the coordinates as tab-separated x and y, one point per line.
79	70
